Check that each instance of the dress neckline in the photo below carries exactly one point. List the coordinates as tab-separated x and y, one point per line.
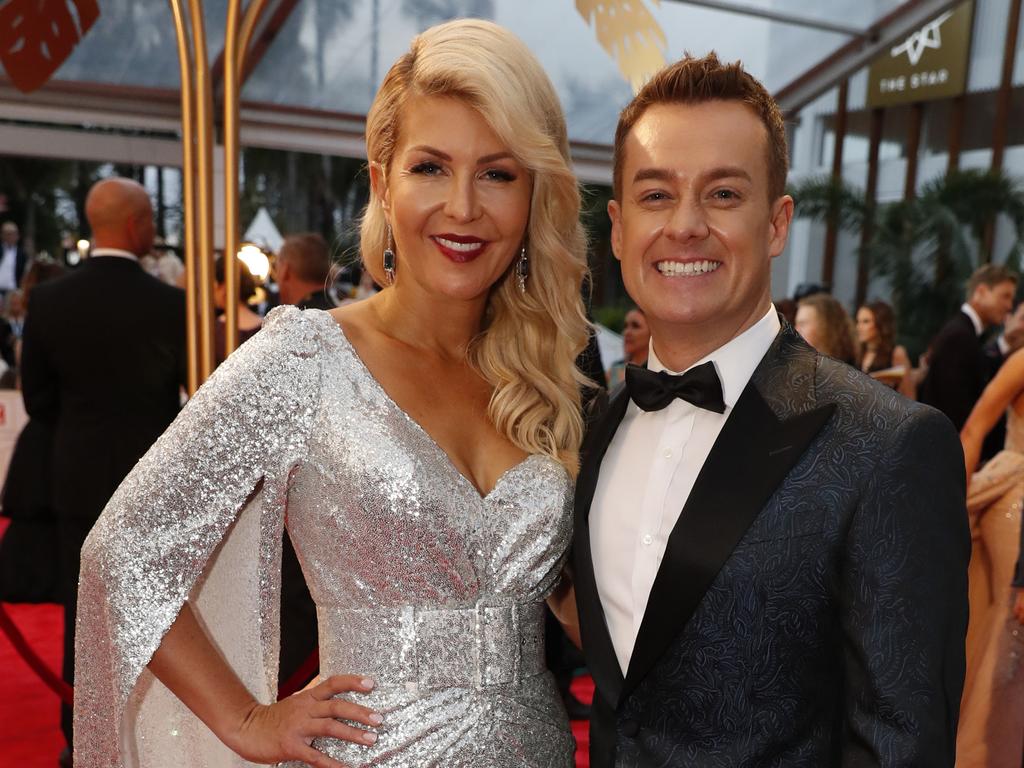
416	426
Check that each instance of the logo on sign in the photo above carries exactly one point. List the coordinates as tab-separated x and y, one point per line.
928	36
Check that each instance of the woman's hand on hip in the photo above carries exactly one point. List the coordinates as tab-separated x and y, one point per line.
272	733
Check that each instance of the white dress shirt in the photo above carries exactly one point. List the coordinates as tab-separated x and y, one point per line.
9	268
646	477
121	254
968	310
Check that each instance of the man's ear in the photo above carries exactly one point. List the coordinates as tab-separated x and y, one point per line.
778	227
379	184
282	271
615	214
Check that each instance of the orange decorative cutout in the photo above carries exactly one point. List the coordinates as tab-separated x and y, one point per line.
628	31
37	36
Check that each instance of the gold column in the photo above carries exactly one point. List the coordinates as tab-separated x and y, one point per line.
236	44
197	172
188	184
231	88
204	188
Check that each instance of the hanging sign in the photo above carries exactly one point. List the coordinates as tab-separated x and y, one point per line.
930	64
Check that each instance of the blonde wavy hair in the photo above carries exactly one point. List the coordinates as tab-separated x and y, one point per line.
529	341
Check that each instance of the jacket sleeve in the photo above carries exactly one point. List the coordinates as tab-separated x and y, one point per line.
199	518
904	601
39	382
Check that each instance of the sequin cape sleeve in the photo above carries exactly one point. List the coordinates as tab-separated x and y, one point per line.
188	523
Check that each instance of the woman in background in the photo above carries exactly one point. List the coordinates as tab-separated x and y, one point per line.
878	351
636	342
248	321
824	324
991	731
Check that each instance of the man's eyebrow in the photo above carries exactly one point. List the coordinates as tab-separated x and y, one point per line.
727	172
653	174
663	174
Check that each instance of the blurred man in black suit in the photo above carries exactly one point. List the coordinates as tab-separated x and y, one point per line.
302	268
960	365
103	360
12	257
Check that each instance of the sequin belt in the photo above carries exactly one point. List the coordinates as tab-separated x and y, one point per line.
420	647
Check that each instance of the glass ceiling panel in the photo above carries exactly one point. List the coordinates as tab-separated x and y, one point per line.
862	13
330	55
133	43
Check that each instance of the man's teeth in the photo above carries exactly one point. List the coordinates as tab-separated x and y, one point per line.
684	268
461	247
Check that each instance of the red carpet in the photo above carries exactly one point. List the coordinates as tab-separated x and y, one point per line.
583	689
30	734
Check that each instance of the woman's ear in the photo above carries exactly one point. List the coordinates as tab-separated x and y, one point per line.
379	183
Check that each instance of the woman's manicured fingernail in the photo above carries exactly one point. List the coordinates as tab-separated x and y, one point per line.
367	682
370	738
376	718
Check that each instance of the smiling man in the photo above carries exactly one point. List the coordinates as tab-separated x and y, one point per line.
771	547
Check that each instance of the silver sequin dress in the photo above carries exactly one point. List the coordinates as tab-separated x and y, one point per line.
420	582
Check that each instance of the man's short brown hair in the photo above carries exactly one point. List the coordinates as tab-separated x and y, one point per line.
695	81
990	275
307	255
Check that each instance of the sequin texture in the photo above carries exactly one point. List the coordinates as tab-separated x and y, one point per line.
419	581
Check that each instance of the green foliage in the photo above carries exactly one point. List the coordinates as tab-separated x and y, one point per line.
825	199
612	316
35	189
927	247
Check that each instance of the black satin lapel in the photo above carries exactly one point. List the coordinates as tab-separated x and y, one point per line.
720	509
597	643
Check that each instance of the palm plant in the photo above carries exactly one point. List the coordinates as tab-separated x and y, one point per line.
925	247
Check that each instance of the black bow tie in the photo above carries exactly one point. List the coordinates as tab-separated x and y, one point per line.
652	390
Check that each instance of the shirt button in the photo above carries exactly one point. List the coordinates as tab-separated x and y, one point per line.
667	453
647	540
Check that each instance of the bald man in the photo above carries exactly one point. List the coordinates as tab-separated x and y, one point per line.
103	361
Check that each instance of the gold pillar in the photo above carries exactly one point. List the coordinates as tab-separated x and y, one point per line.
197	171
185	65
236	43
204	188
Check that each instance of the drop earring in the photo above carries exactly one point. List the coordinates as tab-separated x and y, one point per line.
522	270
389	259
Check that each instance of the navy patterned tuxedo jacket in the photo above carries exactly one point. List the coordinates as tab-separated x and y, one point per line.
811	606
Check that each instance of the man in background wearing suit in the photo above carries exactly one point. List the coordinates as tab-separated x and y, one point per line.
13	258
959	365
302	268
104	361
771	548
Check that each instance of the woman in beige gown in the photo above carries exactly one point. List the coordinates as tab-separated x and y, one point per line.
991	733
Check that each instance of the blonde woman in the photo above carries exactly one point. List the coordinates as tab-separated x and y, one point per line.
423	444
